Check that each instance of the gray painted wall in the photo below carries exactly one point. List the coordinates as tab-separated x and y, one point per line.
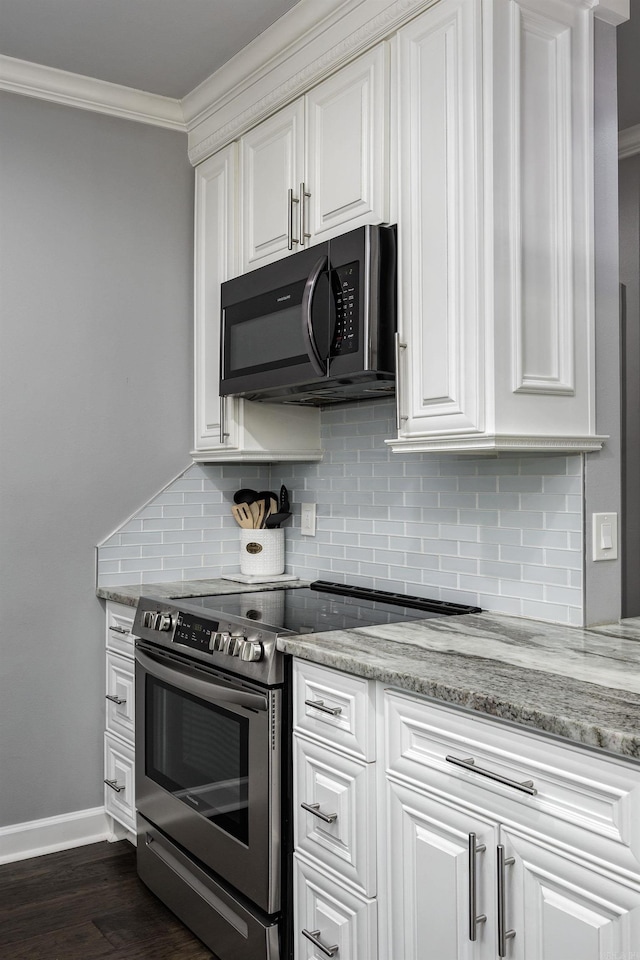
95	413
602	470
630	277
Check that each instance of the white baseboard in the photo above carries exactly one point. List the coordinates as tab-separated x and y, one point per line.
37	837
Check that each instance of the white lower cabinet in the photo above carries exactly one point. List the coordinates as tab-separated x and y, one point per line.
119	738
423	832
482	820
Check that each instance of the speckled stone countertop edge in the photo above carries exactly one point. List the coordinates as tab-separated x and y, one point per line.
182	589
544	701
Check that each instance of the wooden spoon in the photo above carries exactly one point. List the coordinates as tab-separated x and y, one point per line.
243	515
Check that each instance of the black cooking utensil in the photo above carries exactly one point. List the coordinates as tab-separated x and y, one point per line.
277	519
245	495
284	499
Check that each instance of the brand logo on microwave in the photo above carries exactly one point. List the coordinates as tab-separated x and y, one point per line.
280	299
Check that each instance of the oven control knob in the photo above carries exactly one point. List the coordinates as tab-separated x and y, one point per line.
148	619
218	641
251	651
236	645
164	622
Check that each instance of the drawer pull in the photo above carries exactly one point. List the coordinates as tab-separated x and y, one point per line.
114	699
114	786
474	918
469	764
123	630
314	936
503	933
314	808
319	705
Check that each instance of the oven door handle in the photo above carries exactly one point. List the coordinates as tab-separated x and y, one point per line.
206	689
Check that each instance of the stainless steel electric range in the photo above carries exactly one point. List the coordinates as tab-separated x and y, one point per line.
213	762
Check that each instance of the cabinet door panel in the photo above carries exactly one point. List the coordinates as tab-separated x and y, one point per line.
271	162
560	908
214	262
347	147
438	97
429	877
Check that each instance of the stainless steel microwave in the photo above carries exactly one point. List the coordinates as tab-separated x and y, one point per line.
316	327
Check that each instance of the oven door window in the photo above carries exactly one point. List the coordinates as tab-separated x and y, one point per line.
199	752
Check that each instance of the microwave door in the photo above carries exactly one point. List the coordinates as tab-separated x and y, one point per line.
318	316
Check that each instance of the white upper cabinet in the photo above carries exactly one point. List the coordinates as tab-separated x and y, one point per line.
228	428
318	167
494	108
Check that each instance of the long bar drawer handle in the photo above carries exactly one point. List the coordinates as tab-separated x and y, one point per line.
123	630
319	705
114	699
314	808
314	936
114	786
526	786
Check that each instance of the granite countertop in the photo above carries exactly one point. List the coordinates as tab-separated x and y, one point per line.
581	684
177	589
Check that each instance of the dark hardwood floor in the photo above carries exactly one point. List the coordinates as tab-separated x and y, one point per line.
86	904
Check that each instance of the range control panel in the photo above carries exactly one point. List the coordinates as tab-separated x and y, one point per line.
206	636
347	293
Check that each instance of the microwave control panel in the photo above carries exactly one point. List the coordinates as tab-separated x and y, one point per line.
346	286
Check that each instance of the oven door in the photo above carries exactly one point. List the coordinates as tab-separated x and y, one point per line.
208	758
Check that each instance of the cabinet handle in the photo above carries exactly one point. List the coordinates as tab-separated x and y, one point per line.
319	705
398	346
526	786
115	629
314	936
114	699
304	193
223	421
503	933
290	202
474	920
314	808
114	786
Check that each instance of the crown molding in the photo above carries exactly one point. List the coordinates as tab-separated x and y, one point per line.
87	93
274	70
629	142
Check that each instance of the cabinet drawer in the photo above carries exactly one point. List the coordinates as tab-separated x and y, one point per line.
333	917
580	798
119	793
334	707
119	626
341	790
120	697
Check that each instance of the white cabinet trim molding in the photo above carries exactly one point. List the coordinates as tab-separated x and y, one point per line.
87	93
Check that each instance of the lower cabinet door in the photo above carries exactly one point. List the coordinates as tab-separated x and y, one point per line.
440	879
331	921
557	908
119	782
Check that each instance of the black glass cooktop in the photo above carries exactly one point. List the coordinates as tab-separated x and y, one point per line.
325	606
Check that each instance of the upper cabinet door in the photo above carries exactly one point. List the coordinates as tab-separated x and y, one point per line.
347	168
320	166
271	157
215	261
440	162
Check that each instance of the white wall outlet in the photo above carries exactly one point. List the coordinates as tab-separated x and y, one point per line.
605	536
308	519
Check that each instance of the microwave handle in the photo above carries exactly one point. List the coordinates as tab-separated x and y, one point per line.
318	363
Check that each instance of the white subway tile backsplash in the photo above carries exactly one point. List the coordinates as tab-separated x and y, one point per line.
504	533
